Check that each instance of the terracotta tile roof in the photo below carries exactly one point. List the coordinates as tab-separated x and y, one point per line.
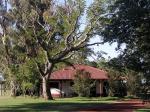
69	72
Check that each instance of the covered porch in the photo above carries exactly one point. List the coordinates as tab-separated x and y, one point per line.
100	88
63	80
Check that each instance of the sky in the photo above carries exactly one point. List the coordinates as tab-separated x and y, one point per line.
107	48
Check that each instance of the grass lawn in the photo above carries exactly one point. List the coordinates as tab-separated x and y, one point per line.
28	104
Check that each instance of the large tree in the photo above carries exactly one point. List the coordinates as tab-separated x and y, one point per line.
128	22
50	32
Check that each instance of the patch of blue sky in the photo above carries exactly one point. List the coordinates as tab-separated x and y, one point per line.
110	50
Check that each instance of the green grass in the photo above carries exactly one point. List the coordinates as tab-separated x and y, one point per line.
91	99
143	110
28	104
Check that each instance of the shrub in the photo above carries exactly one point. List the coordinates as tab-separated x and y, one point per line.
82	83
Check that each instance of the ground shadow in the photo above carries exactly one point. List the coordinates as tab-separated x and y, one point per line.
57	106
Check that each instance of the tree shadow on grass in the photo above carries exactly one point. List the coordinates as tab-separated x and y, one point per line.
110	99
70	106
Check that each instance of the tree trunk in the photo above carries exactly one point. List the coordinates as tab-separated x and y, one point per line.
46	89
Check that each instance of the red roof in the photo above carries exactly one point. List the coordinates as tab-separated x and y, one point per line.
69	72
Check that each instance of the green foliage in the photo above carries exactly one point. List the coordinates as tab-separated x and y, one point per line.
82	83
43	26
29	77
43	31
122	81
116	85
133	81
126	22
27	86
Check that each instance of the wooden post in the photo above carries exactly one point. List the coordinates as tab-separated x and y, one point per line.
60	87
101	87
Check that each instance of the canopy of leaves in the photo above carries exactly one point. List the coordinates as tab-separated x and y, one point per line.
47	31
128	22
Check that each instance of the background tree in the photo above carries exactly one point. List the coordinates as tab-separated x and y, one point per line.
122	81
12	54
133	81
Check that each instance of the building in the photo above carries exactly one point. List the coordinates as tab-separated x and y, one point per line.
63	79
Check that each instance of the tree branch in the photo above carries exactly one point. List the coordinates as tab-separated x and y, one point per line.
61	54
49	70
67	63
76	48
73	30
87	45
39	68
68	57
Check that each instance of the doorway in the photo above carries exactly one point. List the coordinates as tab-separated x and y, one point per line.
54	85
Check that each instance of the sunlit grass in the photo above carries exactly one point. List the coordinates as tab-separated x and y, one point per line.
39	104
6	100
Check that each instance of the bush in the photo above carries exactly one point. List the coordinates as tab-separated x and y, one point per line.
82	83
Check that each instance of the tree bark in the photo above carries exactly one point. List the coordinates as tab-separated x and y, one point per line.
46	89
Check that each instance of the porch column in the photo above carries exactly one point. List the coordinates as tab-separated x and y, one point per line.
101	87
60	87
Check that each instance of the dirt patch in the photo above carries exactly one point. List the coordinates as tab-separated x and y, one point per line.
119	106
